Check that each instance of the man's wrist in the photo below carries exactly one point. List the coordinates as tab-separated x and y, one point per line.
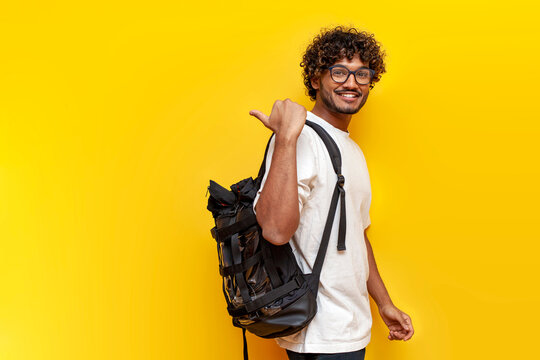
286	140
385	303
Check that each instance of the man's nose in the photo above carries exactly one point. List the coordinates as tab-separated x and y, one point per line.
351	82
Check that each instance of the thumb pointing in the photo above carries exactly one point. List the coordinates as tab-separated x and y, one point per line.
259	115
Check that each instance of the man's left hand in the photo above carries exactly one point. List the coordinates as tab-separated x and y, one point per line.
398	323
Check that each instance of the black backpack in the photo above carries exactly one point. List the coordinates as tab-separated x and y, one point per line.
266	292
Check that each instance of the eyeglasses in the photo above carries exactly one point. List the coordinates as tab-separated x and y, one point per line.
340	74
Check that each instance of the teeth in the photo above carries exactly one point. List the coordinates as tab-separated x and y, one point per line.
348	95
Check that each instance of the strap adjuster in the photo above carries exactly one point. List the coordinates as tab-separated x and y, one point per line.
341	180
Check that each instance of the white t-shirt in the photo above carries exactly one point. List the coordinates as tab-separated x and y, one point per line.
343	320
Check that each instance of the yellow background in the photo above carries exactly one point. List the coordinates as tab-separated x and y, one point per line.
114	116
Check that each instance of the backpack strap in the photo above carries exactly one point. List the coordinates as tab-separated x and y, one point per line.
319	260
245	344
237	260
335	156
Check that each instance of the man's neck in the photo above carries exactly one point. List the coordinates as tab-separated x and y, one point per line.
338	120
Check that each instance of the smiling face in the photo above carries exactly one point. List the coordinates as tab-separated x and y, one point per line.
345	98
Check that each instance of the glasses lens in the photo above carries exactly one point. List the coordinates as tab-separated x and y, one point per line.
339	74
363	76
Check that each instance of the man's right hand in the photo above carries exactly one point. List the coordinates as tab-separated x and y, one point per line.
286	119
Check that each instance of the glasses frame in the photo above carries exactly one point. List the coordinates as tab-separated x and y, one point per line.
372	72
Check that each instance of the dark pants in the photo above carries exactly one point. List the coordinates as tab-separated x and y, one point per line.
355	355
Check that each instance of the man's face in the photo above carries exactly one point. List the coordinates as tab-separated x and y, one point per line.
345	98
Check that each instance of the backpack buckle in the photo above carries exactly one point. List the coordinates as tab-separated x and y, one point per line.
255	315
341	180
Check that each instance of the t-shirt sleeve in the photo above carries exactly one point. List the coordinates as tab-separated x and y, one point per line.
306	168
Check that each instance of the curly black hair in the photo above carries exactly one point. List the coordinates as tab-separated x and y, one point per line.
332	45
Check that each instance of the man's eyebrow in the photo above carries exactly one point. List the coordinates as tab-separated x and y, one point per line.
361	67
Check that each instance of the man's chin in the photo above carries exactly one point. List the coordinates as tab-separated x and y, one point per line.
349	110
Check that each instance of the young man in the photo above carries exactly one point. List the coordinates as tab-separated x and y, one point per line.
340	67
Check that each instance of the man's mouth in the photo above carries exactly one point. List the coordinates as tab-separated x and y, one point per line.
348	95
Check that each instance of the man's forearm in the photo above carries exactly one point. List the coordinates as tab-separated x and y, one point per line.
277	208
375	285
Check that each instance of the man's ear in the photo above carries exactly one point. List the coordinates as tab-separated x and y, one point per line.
315	82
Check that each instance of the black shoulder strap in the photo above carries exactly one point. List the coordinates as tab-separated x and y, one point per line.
339	194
